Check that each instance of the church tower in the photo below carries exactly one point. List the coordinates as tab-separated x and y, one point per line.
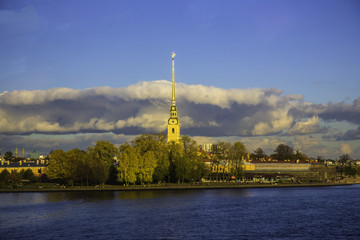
173	122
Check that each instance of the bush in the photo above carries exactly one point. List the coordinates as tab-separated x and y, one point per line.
70	183
29	175
5	176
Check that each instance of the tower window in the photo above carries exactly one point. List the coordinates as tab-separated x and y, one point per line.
173	130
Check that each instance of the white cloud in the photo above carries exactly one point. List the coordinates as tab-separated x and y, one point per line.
277	121
144	108
346	149
223	98
36	97
145	105
311	125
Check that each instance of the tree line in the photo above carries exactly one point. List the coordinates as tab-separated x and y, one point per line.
347	167
15	178
282	152
150	159
147	159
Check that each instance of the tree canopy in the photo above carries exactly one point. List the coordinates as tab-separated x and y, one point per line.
258	154
284	152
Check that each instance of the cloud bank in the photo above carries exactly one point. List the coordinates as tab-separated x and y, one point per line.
144	108
204	110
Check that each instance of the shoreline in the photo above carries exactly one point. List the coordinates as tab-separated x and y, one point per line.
172	187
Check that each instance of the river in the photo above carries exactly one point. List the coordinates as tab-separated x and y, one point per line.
275	213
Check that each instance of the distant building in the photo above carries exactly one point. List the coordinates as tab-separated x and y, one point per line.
38	167
34	155
208	147
355	162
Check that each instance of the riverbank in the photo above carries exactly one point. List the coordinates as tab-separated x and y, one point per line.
166	187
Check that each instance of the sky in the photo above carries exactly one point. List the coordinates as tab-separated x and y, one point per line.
260	72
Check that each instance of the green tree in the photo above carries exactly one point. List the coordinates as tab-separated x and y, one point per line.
8	156
101	157
179	167
4	177
196	168
284	152
345	167
343	161
222	150
182	168
57	165
113	175
189	147
29	175
77	166
147	142
300	156
105	151
259	154
99	170
350	171
128	167
147	164
223	154
161	171
124	147
155	143
15	176
237	152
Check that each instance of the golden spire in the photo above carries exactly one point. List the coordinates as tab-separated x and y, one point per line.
173	79
173	122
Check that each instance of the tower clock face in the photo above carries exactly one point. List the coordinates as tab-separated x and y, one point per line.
173	121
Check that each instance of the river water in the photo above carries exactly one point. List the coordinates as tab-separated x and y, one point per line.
276	213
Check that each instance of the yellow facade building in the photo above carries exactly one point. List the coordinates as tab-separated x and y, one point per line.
38	167
228	166
173	122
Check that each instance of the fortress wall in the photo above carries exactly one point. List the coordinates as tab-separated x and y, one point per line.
283	167
303	172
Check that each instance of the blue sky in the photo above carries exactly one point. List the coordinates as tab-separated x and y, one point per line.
304	48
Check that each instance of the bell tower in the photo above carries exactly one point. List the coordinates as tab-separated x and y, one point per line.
173	122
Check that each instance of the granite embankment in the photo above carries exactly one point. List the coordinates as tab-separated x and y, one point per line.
166	187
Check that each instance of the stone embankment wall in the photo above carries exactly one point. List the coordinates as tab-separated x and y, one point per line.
282	167
300	171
